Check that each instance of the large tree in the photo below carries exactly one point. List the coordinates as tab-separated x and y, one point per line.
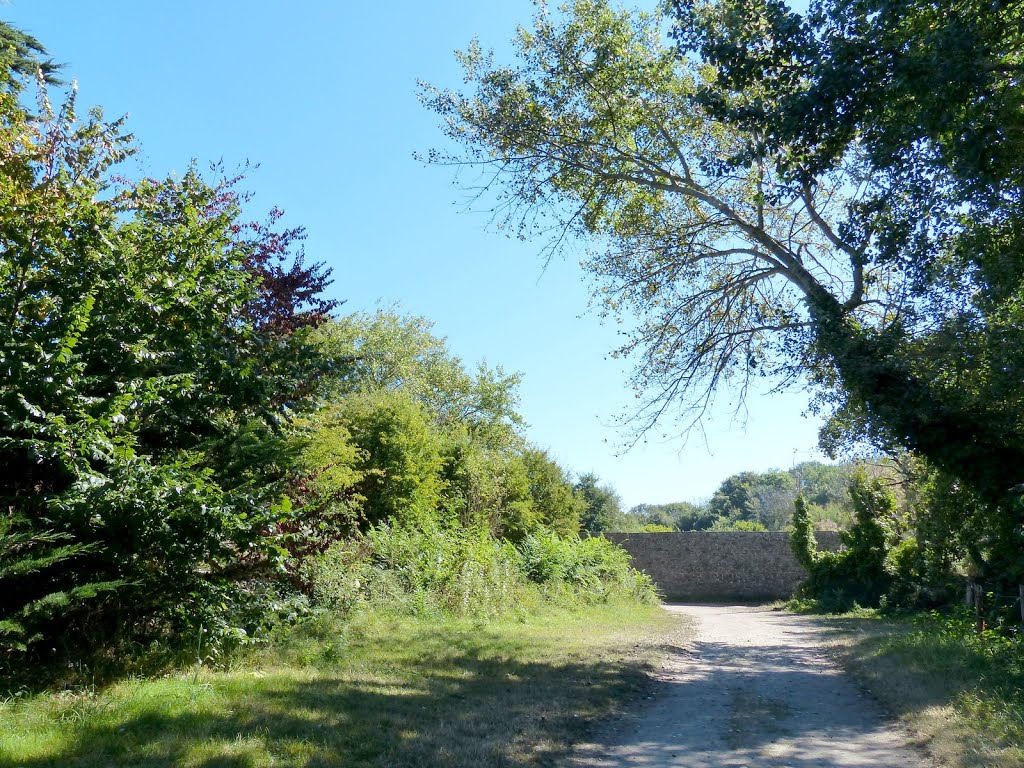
745	241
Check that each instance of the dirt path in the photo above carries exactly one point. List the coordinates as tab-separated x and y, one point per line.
754	689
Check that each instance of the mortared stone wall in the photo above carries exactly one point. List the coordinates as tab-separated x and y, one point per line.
720	565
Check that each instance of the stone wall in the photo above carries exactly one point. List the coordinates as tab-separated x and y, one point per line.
719	565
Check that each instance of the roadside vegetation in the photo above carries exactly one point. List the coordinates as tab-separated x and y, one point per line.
959	691
240	527
745	228
198	448
953	673
205	466
825	200
375	689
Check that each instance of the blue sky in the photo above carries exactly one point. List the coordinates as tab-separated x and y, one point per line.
323	96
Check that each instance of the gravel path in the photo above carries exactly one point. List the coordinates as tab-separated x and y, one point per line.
754	688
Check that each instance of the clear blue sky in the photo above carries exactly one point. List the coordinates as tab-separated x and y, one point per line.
323	95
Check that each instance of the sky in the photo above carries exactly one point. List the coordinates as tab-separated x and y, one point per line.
322	95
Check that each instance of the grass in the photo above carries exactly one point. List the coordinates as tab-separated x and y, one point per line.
378	690
961	694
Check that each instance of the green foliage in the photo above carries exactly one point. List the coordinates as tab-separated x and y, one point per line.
760	501
433	442
142	402
825	485
756	497
426	460
724	524
593	568
398	456
390	351
855	575
802	535
325	484
956	530
490	486
943	211
460	571
23	57
677	516
557	505
25	553
603	510
764	500
750	229
904	564
468	572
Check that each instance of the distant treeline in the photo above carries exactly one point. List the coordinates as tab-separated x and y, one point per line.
756	501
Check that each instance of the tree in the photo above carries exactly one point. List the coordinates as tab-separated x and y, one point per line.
765	498
931	97
558	506
679	515
387	350
399	457
598	135
824	484
748	244
143	409
856	574
772	494
24	57
474	472
484	475
603	511
732	498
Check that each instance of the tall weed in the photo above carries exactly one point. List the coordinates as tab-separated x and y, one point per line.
468	572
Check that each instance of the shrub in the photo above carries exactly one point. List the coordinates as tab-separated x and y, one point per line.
856	575
727	524
468	572
152	347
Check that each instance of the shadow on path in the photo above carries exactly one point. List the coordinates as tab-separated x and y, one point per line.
754	689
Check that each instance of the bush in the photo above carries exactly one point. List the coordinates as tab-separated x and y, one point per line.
153	348
727	524
593	568
856	575
395	568
470	573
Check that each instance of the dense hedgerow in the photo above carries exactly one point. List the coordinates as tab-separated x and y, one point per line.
194	449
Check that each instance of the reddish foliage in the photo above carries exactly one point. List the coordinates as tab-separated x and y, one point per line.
291	293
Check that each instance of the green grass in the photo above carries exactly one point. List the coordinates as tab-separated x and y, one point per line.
375	690
961	694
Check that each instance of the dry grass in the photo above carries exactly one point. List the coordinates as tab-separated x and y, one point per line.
381	691
962	696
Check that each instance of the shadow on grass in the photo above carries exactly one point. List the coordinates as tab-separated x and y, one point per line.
914	665
427	699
